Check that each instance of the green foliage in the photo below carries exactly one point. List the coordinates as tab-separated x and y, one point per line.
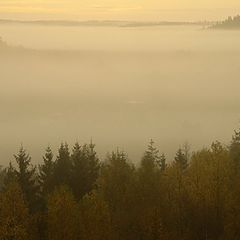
46	173
63	165
151	156
162	162
181	160
25	175
116	187
85	169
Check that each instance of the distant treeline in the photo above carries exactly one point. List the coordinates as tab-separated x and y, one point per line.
76	196
101	23
229	23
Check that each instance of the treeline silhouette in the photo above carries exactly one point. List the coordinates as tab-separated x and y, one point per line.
76	196
229	23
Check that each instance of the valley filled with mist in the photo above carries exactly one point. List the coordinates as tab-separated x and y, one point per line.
117	86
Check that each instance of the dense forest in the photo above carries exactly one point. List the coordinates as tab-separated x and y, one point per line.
229	23
74	195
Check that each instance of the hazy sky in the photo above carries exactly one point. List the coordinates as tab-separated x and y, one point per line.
119	9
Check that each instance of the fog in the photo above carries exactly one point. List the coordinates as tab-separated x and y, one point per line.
118	86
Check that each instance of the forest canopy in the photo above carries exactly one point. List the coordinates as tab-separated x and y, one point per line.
74	195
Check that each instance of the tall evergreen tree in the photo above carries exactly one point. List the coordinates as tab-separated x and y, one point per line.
46	172
85	169
115	184
151	156
181	160
94	165
162	162
149	188
26	177
79	171
63	166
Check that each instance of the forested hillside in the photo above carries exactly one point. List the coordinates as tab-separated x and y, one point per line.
74	195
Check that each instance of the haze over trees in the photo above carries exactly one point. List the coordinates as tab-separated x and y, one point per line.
144	83
229	23
74	195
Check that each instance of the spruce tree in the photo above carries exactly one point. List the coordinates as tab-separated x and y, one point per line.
93	166
149	188
162	162
151	156
181	160
46	172
63	165
79	171
116	183
26	177
85	169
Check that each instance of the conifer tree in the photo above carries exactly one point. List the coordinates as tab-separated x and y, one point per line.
115	183
46	172
85	169
162	162
151	156
149	188
93	166
63	166
26	177
181	160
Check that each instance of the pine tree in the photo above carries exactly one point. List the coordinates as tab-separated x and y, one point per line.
79	170
85	169
151	156
181	160
94	165
115	177
46	172
162	163
115	183
26	177
63	166
149	188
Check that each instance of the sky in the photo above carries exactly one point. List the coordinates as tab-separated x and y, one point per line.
119	9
